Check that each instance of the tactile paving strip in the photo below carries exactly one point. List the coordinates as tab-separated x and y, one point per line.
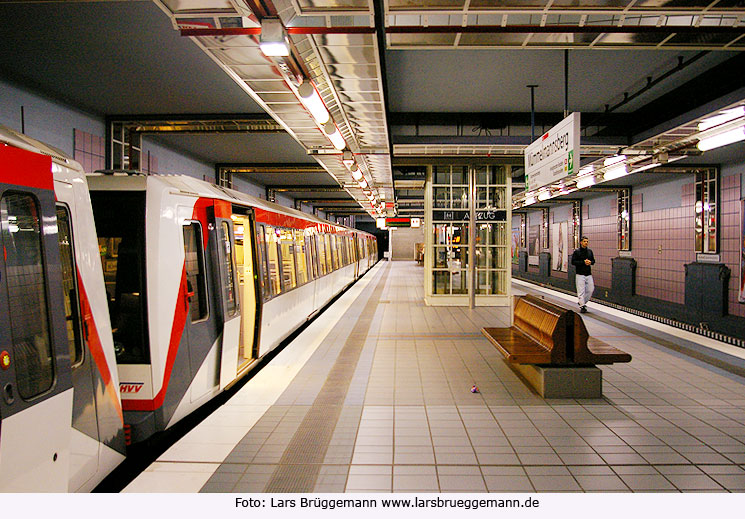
301	462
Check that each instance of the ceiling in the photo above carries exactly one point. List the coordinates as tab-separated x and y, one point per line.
403	80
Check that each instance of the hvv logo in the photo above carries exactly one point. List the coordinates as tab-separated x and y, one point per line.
130	387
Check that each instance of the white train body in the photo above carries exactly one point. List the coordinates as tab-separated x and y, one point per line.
61	425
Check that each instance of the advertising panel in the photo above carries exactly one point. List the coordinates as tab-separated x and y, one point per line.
559	256
515	245
554	155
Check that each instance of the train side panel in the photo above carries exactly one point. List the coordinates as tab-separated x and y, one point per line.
37	394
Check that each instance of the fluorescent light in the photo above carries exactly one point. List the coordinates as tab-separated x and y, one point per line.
586	182
356	173
722	139
274	49
544	195
363	183
586	170
723	117
530	200
334	135
614	160
615	172
312	101
644	168
273	38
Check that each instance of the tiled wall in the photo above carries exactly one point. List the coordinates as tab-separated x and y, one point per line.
601	231
730	237
662	242
89	150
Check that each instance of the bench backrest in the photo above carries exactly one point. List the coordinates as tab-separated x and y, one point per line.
596	353
544	322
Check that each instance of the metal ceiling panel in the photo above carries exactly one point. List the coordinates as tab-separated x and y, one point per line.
335	5
336	46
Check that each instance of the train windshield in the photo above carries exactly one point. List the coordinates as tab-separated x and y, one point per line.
120	223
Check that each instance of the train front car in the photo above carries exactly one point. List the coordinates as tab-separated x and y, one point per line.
204	281
157	236
60	415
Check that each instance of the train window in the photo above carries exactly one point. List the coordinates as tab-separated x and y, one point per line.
69	286
272	260
310	256
20	234
335	257
264	277
228	289
302	265
120	224
321	246
342	242
287	252
196	282
329	253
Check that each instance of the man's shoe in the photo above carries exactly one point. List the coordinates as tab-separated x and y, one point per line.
583	310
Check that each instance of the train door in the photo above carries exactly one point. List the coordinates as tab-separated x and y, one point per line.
35	385
227	302
357	255
201	327
84	444
248	289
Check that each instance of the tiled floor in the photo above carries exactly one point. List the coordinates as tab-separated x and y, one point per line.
375	397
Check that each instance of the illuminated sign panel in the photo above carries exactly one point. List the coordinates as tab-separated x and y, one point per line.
398	222
554	155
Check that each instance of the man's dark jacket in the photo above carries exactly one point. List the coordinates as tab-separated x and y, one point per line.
578	260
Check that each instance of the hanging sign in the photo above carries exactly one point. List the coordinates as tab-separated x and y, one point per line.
554	155
463	215
398	222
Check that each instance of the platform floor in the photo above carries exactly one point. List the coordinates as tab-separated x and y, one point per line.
375	396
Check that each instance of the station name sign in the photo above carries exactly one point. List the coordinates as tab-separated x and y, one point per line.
554	155
463	215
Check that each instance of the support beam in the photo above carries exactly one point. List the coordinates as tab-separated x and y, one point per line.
304	189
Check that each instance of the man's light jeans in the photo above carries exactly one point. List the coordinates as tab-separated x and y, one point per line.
585	288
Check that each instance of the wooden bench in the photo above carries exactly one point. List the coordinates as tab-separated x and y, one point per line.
547	334
550	348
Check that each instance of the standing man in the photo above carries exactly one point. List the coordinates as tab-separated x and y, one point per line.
582	259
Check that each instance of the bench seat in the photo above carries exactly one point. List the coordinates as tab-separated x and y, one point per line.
517	346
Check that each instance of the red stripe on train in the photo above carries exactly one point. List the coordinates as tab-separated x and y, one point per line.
25	168
285	220
177	331
179	319
96	349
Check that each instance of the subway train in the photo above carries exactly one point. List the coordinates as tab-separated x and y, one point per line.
127	301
